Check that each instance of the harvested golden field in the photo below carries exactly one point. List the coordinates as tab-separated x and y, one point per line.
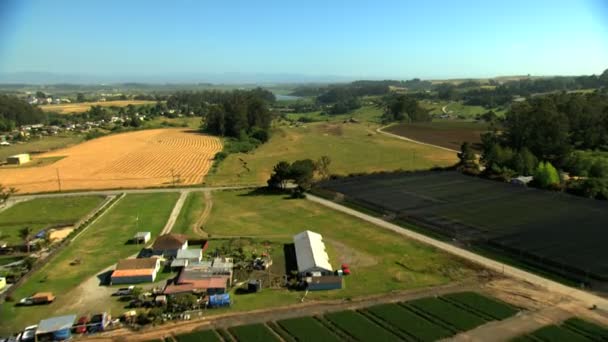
159	157
70	108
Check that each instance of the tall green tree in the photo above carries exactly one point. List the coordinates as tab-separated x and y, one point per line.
546	175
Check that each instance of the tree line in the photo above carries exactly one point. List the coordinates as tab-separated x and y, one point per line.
548	133
16	112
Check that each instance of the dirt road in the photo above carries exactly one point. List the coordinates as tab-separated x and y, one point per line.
175	212
380	130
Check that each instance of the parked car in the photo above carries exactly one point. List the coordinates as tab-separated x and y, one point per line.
38	298
29	334
81	325
124	291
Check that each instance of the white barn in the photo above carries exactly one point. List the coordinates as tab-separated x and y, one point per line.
310	253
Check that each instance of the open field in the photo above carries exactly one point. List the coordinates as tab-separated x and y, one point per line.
40	145
99	246
365	114
556	233
351	147
386	322
44	212
159	157
449	134
193	208
404	264
71	108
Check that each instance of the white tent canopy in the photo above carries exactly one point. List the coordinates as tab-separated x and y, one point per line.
310	252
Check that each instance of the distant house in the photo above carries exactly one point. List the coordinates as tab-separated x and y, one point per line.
169	244
522	180
134	271
18	159
5	143
310	254
142	237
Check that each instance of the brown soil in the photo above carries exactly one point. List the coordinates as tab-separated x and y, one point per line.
444	136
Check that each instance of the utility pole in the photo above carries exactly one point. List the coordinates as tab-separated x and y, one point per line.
58	179
172	177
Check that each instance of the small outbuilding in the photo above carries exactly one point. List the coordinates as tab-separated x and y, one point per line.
324	283
2	282
55	328
134	271
18	159
142	237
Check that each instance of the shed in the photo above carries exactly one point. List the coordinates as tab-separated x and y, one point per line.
18	159
168	244
55	328
324	283
310	253
142	237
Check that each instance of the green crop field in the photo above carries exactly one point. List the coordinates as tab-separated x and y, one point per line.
404	264
43	212
352	147
359	327
102	244
191	211
198	336
44	144
409	323
475	302
307	329
253	333
573	329
437	309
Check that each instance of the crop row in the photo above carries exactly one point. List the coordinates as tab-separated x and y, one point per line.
427	319
574	329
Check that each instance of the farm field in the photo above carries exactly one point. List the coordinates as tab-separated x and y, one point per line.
71	108
101	245
159	157
573	329
39	145
554	232
353	147
44	212
386	322
449	134
348	240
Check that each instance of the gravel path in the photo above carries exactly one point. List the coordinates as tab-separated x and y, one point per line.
175	212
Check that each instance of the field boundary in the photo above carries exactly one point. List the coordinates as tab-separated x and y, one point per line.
588	299
381	131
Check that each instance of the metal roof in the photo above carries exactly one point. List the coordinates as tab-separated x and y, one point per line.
53	324
310	251
190	253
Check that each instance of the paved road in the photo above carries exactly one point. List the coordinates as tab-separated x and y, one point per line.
129	191
380	130
586	298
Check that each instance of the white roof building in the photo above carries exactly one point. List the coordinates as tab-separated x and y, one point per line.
310	253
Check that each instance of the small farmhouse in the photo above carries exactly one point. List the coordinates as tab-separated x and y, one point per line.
310	254
134	271
167	245
18	159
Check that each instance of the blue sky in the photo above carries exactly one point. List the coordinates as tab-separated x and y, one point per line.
355	39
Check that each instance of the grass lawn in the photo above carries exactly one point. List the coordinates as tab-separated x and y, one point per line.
100	246
353	147
42	212
164	122
191	211
43	144
365	113
403	264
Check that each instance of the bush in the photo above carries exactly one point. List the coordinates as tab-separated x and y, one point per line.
94	134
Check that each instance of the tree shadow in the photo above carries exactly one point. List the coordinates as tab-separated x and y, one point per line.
291	263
